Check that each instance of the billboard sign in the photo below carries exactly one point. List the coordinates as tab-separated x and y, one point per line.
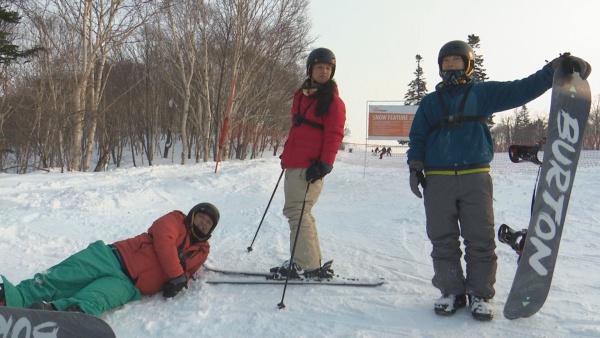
390	122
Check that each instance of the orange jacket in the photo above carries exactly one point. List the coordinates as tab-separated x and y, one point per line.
152	259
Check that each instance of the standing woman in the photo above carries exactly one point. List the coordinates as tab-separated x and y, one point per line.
318	117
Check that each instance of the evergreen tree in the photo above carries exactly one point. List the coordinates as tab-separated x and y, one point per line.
539	129
479	73
417	88
8	51
523	129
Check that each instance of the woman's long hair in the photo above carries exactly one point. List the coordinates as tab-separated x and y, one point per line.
324	98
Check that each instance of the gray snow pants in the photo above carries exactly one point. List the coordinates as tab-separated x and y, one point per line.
455	206
308	250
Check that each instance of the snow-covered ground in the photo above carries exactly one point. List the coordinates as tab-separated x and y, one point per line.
369	223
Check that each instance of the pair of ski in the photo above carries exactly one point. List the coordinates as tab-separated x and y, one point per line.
266	278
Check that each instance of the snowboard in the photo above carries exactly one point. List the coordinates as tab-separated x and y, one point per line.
26	323
569	111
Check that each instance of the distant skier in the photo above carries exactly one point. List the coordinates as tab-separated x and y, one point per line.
449	156
383	152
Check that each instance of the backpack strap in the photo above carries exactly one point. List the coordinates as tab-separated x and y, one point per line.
454	120
300	118
182	256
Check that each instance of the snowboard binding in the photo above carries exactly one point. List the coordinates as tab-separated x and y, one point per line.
515	239
519	153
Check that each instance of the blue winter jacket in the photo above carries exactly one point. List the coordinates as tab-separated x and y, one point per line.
468	145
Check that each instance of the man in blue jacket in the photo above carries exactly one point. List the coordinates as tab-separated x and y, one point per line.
450	145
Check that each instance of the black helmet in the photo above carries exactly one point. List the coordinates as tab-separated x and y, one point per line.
459	48
205	208
320	55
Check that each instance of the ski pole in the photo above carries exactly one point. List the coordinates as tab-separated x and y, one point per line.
263	217
281	305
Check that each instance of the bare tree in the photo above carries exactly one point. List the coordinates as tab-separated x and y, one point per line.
178	41
270	35
95	27
592	132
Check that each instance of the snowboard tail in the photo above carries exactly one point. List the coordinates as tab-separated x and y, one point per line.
569	112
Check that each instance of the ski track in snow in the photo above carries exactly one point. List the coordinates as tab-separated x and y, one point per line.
369	223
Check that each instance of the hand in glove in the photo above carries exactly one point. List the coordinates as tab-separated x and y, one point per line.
174	286
571	63
317	171
416	177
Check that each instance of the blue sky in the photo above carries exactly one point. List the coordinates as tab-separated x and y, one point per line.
376	42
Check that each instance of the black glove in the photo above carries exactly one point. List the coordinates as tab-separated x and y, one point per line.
571	63
416	177
174	286
317	171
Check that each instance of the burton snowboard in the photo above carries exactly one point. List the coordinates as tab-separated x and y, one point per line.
569	112
27	323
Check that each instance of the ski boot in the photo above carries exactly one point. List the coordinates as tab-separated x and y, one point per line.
324	272
2	300
42	305
284	271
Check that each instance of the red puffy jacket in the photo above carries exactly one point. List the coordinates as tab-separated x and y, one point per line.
152	259
305	142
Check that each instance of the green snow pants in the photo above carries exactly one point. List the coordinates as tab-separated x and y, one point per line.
91	279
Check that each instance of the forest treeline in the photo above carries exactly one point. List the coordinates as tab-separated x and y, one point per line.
128	75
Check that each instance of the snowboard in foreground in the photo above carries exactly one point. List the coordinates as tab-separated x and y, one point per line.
569	112
26	323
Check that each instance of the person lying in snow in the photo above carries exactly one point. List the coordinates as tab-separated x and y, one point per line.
102	277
